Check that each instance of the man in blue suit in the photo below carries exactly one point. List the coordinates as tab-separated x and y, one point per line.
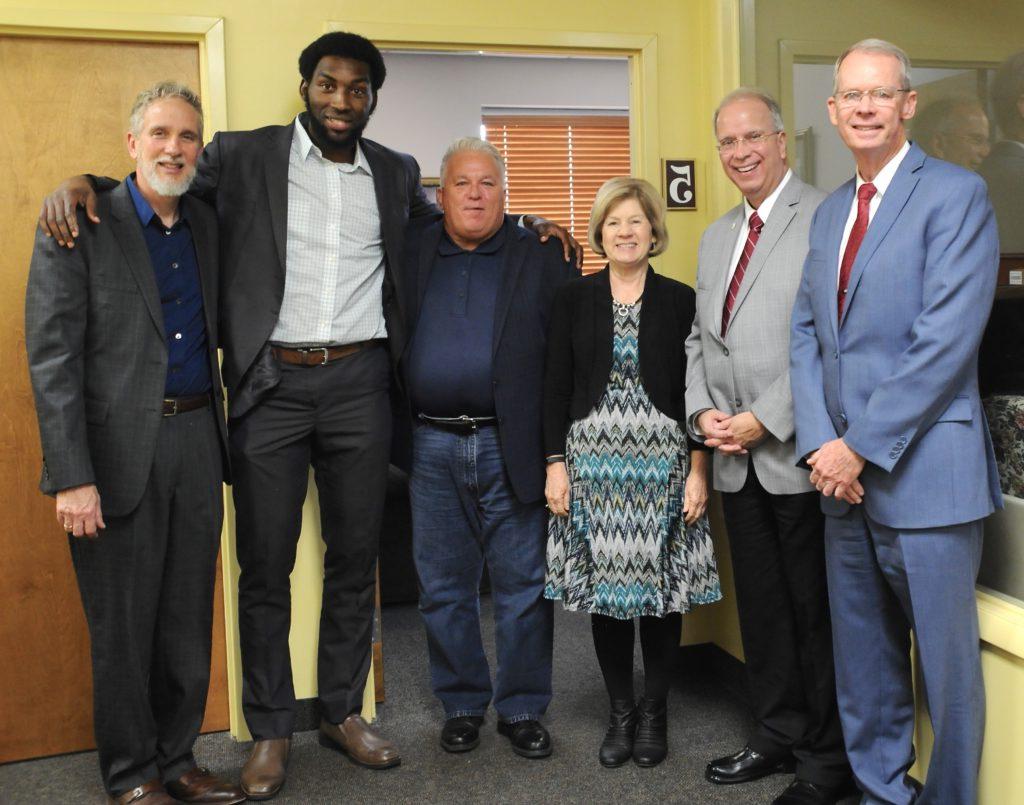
897	286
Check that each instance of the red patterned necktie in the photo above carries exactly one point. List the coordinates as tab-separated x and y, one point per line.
864	195
741	268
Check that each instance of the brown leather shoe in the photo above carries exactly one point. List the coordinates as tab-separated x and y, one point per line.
149	793
199	785
357	739
264	771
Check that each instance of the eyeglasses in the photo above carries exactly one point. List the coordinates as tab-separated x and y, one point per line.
755	138
880	96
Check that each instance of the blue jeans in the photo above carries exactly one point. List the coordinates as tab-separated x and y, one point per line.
464	513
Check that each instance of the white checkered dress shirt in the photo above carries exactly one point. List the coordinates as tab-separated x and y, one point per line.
334	269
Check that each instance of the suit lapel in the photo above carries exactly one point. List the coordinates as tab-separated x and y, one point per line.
425	263
782	214
840	212
207	261
387	187
893	202
276	175
126	229
515	256
725	246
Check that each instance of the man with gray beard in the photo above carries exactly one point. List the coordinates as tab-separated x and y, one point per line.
121	336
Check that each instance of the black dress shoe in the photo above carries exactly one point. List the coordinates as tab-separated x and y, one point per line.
529	738
461	734
803	792
651	744
617	746
744	766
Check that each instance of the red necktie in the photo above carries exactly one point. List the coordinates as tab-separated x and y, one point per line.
864	194
741	268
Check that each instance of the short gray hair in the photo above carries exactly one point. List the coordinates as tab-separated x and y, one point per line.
464	144
876	46
742	93
159	91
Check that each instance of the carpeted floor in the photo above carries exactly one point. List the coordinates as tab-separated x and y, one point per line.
705	721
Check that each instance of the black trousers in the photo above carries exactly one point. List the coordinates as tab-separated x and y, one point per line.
778	559
147	590
337	419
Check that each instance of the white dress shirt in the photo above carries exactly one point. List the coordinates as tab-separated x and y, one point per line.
881	183
763	212
334	257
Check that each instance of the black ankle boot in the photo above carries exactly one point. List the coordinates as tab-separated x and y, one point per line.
651	744
617	746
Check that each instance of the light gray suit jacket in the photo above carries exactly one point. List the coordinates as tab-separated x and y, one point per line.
94	331
749	369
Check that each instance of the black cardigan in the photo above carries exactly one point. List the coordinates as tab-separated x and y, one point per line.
580	343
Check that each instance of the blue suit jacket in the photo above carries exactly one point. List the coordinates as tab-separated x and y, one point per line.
531	273
897	378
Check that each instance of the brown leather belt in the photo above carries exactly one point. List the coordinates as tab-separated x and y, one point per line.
320	356
180	405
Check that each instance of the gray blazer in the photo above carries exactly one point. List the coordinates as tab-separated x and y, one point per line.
749	370
94	332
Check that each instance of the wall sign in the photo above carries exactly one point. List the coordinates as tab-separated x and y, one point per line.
680	188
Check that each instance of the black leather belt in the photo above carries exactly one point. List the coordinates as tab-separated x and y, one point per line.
180	405
459	424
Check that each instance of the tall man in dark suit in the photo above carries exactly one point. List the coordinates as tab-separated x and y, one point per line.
737	392
479	292
312	217
896	289
121	337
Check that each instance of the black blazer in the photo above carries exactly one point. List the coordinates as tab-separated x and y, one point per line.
579	356
94	329
244	175
532	272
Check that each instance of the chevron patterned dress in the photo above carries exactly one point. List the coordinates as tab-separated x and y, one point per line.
624	550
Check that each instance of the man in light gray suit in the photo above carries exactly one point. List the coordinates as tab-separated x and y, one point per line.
738	396
121	336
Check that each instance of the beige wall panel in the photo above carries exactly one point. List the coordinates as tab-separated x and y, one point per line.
65	105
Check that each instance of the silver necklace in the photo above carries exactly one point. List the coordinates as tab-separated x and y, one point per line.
623	308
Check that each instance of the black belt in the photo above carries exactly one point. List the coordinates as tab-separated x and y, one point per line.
459	424
180	405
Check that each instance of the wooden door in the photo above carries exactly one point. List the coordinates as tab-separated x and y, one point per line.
66	105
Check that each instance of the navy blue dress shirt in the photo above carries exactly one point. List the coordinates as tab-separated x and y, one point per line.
173	256
449	370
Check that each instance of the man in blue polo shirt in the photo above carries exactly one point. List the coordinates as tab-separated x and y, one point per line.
121	336
480	290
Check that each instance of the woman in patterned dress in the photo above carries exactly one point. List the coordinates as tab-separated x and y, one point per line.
628	536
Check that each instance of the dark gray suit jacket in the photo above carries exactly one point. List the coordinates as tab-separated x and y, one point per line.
97	353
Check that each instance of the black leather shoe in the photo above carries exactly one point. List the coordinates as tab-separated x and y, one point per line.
651	744
529	738
803	792
461	734
744	766
617	746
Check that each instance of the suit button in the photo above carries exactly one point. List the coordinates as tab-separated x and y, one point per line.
842	418
727	350
737	403
836	354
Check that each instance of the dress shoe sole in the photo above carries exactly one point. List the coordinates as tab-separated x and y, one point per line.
256	797
783	767
615	764
534	754
329	743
